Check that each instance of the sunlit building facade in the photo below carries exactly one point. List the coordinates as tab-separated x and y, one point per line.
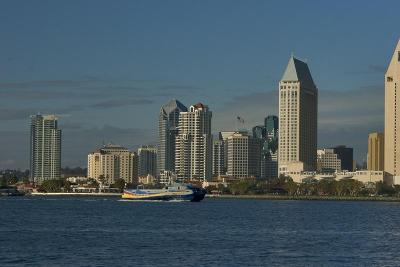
392	118
298	101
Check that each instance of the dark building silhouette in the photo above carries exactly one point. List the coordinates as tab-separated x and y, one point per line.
345	154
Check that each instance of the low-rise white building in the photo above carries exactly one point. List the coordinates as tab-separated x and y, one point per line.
148	179
167	177
328	160
77	179
362	176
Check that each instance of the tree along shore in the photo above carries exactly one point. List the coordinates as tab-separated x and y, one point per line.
320	198
285	188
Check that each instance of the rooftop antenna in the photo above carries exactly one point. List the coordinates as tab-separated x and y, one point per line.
291	54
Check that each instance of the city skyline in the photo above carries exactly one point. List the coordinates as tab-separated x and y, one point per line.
115	90
191	133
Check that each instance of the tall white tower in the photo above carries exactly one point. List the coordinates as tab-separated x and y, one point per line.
167	131
392	118
298	104
193	153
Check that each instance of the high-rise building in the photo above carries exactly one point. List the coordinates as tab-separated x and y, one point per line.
328	160
219	166
376	144
220	153
345	154
244	156
271	126
193	149
298	100
270	165
270	161
259	132
45	148
392	118
147	161
113	162
167	132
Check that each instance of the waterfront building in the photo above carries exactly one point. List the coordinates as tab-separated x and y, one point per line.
193	149
113	162
244	156
167	177
298	101
362	176
167	132
392	118
147	179
45	148
345	154
328	161
147	161
376	155
77	179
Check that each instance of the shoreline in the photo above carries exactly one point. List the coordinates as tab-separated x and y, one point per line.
75	194
259	197
305	198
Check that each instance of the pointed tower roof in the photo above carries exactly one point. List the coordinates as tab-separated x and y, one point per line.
395	60
298	70
172	105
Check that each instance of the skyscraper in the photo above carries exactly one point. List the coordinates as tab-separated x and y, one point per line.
218	157
193	155
392	118
259	132
376	143
244	156
271	126
45	148
220	153
147	161
298	100
270	148
167	131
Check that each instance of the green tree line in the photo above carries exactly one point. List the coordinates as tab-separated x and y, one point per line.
284	185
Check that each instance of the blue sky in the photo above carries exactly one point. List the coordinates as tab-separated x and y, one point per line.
106	67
